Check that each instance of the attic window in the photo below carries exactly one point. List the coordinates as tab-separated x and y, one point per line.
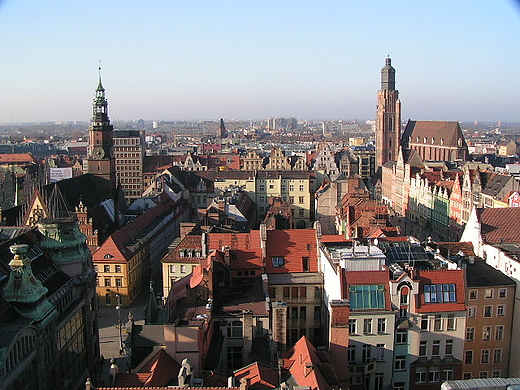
439	293
425	140
442	141
108	256
278	261
181	253
433	140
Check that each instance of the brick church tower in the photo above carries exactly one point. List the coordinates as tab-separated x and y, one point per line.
100	160
388	117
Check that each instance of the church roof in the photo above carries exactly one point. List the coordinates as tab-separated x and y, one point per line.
437	133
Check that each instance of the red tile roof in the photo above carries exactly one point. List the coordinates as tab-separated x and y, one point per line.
318	375
441	277
293	245
16	158
259	376
244	246
500	225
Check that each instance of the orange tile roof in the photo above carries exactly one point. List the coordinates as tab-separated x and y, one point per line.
245	247
16	158
301	354
258	375
292	244
500	225
441	277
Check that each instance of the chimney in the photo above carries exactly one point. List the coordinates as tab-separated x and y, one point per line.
243	384
227	255
204	244
263	243
339	337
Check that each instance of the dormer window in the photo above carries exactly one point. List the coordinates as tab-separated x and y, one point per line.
278	261
108	256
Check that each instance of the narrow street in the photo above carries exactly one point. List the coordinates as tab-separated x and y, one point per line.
111	340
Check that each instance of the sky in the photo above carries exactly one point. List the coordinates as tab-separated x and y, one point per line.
236	59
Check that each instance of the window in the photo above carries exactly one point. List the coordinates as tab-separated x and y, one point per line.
400	363
380	352
483	374
119	282
303	312
484	356
447	374
317	312
352	326
420	375
449	347
278	261
291	199
403	312
118	269
496	374
291	187
437	323
107	282
367	296
234	329
95	268
301	199
302	188
108	299
486	333
351	354
294	313
172	268
466	375
439	293
378	383
473	294
488	311
106	268
234	357
183	269
451	322
434	375
499	332
422	348
365	357
436	349
286	292
501	310
305	264
497	355
472	311
424	322
261	187
468	357
381	325
404	299
488	293
470	333
367	325
502	293
401	336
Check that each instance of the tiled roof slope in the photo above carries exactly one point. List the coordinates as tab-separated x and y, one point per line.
245	247
448	132
441	277
258	375
319	376
293	245
500	225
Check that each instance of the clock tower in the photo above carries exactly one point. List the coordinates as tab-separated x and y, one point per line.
100	160
388	117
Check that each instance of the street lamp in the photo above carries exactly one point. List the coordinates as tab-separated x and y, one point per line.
118	308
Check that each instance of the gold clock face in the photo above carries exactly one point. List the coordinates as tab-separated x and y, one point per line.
98	152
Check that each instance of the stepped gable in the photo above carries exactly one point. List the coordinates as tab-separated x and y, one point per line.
500	225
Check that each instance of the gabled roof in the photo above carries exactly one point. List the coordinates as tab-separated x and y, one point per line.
500	225
16	158
438	133
245	248
309	367
258	375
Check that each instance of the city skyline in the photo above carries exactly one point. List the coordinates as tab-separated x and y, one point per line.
207	60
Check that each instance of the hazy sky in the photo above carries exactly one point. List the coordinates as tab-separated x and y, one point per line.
196	59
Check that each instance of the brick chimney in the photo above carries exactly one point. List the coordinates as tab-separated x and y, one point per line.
263	243
339	338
